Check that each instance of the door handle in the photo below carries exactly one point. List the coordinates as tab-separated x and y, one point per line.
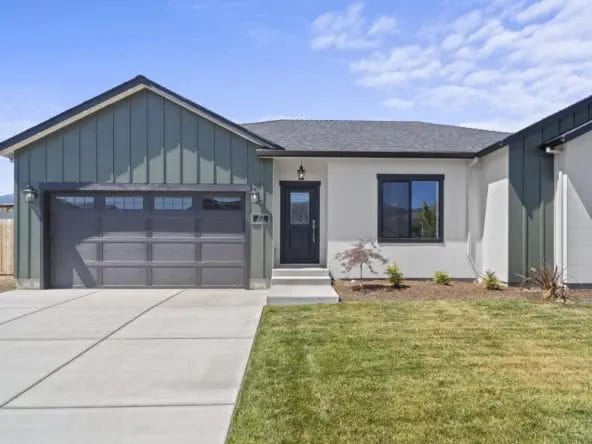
314	230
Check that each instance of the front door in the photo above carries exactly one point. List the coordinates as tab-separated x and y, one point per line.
299	223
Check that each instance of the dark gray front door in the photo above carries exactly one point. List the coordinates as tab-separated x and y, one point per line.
299	222
147	239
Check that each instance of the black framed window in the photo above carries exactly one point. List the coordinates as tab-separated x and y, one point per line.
173	203
77	201
410	208
222	203
123	202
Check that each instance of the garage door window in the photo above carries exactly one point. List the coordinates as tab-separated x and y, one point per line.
77	201
124	202
172	203
222	203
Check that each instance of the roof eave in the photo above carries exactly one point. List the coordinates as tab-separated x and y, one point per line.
568	135
369	154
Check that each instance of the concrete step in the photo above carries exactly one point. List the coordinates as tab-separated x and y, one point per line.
301	280
303	272
302	294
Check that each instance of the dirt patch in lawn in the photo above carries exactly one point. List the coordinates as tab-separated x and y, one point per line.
7	283
381	290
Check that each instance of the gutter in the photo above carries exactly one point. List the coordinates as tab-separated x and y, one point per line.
263	153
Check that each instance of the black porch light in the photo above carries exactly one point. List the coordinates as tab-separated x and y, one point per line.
301	172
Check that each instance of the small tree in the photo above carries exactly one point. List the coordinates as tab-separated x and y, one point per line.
361	253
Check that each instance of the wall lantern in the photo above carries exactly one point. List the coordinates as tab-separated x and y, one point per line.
254	195
301	172
30	193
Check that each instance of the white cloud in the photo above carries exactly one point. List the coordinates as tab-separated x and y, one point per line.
383	25
538	9
506	63
348	30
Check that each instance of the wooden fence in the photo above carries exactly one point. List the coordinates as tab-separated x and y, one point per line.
6	246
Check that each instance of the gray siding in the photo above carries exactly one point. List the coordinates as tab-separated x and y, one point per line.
532	190
142	139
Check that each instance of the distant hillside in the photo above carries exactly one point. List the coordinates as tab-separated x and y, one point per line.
7	198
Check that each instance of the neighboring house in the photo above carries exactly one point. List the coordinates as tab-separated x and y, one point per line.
142	187
6	211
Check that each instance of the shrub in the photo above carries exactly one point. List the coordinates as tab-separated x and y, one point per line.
550	280
395	275
441	278
490	281
361	253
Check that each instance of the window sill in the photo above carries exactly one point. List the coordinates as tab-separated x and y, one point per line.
434	242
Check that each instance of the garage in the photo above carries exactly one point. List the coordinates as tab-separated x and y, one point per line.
147	239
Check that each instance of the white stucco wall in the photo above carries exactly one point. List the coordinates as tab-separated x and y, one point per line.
488	213
316	170
352	203
573	209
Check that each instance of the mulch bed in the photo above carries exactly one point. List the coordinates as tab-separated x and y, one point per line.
381	290
7	283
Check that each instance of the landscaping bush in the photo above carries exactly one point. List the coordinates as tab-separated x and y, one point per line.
550	280
361	253
490	281
395	275
441	278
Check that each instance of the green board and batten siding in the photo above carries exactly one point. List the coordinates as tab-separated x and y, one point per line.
532	189
143	139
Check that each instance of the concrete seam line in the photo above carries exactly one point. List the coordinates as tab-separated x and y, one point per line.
61	366
49	306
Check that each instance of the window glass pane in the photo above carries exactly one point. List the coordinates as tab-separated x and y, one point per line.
222	203
424	209
299	208
395	209
172	203
77	201
124	202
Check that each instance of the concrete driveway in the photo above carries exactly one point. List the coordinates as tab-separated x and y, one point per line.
129	366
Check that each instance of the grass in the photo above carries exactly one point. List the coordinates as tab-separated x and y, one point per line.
432	371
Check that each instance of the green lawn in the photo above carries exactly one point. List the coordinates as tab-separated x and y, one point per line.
434	371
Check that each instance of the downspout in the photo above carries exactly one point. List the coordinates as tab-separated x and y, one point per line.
562	192
473	162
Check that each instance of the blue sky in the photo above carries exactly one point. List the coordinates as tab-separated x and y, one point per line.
496	64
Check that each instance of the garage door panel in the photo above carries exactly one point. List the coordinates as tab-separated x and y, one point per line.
125	251
125	276
124	224
222	251
81	276
173	251
174	226
148	239
222	276
174	276
227	223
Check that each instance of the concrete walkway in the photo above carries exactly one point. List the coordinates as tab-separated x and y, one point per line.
115	366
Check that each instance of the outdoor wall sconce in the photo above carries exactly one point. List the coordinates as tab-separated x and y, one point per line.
301	172
254	196
29	193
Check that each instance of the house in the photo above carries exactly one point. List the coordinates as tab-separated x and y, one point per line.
6	211
140	186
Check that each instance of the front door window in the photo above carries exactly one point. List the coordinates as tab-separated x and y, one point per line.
299	208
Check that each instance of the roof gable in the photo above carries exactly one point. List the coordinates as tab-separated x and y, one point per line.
115	95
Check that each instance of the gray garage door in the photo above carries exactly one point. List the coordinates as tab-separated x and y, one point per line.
147	240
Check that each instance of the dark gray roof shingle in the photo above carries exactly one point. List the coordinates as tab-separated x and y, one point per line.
374	136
